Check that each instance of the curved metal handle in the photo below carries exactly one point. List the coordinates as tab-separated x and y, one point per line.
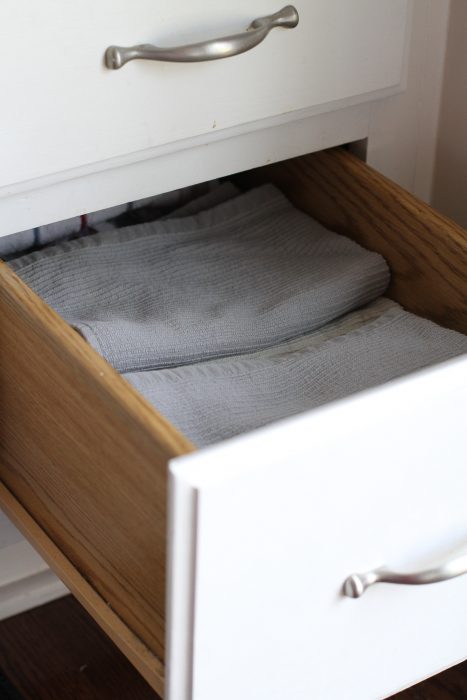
356	584
223	47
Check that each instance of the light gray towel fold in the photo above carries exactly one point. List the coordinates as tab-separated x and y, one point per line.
247	274
215	400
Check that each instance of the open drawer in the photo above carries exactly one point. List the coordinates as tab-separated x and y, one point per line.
263	530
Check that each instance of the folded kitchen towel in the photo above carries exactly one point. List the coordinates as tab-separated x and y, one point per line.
244	275
215	400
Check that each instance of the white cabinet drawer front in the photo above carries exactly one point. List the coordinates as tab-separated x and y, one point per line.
64	109
284	516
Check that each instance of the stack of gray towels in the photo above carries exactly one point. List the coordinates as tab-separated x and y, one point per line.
235	311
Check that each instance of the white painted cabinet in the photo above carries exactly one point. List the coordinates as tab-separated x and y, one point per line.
76	136
265	528
71	111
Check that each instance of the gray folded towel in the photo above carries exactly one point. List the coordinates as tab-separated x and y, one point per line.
244	275
215	400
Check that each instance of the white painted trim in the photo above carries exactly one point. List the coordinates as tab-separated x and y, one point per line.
165	172
25	580
181	574
203	140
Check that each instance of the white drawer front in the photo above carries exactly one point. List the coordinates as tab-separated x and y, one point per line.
63	109
266	529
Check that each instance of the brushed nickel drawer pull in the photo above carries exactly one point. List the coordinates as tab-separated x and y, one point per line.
356	584
211	50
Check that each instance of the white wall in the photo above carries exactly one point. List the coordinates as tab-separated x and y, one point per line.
25	579
419	138
449	193
403	129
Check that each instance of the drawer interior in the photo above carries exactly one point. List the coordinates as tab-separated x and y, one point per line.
425	251
84	457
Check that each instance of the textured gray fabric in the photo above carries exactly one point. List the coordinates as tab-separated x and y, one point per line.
215	400
244	275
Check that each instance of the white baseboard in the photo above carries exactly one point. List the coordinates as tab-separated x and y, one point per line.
25	580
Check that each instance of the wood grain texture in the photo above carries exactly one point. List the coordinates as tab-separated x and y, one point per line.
150	667
86	456
427	253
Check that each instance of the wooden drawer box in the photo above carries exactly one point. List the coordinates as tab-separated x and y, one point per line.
261	530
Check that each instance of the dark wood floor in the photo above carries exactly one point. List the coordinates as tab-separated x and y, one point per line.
57	652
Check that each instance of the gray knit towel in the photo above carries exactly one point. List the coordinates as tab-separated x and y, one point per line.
215	400
247	274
